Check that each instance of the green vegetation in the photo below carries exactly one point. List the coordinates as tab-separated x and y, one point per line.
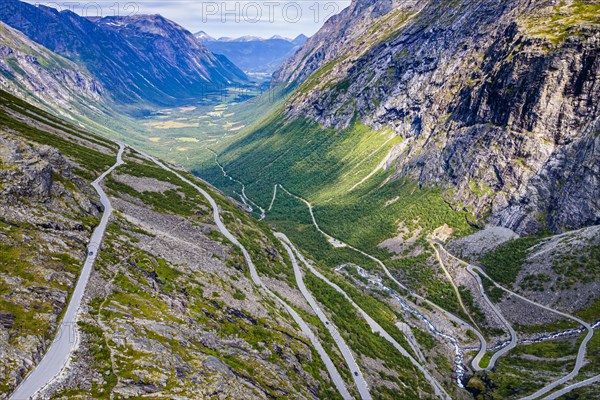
535	282
101	360
182	200
593	356
566	19
20	262
557	326
149	289
316	78
169	201
485	360
474	310
577	266
494	293
92	160
326	167
504	263
358	335
526	369
550	349
363	218
591	313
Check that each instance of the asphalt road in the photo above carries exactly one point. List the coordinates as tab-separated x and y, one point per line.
513	334
476	271
59	354
357	375
574	386
376	328
582	348
333	372
337	243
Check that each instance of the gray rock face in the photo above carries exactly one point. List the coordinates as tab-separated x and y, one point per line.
498	99
169	311
31	71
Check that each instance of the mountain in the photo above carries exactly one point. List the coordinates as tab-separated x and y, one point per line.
30	70
163	41
140	58
300	39
446	152
424	181
62	87
255	54
481	94
248	38
203	36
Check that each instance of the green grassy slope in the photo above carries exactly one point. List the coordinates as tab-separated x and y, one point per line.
326	167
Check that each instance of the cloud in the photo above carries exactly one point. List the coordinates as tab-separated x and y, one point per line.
221	18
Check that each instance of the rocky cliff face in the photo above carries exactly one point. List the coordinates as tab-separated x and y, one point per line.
141	58
498	101
31	71
47	212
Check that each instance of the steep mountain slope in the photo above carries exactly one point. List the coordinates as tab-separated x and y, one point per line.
52	76
30	70
170	308
370	192
62	87
254	54
141	58
163	41
496	101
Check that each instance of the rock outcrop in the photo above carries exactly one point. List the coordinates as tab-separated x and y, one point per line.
45	216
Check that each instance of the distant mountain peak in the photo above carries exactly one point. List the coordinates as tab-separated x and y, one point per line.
300	39
248	38
280	38
135	57
203	36
256	54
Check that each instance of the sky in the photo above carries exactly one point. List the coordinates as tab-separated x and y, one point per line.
229	18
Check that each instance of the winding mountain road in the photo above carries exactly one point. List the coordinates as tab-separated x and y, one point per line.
449	277
67	337
476	271
245	199
513	335
473	270
331	369
357	375
375	327
582	348
338	243
572	387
